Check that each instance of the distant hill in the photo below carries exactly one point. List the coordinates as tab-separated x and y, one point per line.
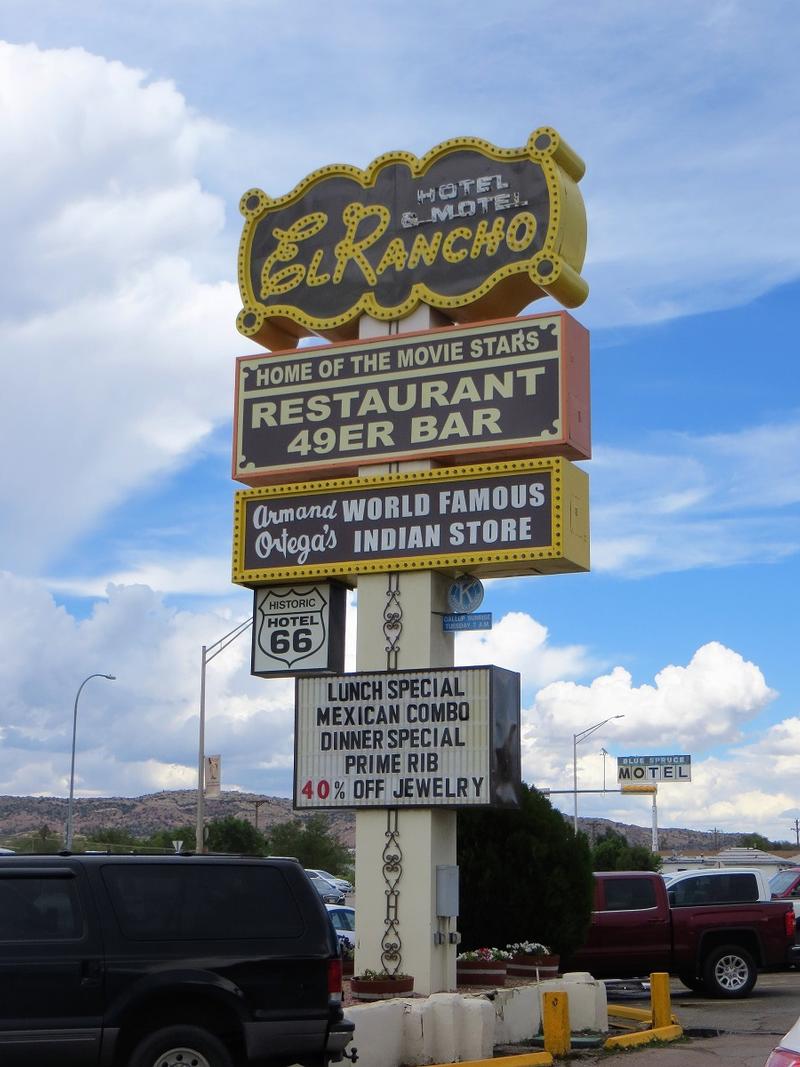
144	815
670	838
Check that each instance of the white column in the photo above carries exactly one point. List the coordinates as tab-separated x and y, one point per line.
426	836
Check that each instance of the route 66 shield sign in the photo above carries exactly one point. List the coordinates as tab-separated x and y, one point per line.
298	628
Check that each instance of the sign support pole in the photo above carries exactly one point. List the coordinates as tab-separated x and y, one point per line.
654	840
398	850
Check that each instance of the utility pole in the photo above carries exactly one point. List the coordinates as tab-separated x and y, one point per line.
257	804
796	829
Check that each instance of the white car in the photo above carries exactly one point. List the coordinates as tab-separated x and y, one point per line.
787	1054
340	883
716	885
344	922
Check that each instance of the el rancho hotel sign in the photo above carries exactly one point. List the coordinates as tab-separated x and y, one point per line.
475	230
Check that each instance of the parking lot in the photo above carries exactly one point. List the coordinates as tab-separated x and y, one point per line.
740	1033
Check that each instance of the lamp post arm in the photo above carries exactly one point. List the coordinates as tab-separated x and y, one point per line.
588	733
576	740
68	833
223	642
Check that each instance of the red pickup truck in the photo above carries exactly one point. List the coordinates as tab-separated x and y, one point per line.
715	948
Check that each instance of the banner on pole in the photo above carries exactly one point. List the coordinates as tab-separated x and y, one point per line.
213	777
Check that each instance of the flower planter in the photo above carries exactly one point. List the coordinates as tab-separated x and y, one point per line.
381	988
481	972
538	967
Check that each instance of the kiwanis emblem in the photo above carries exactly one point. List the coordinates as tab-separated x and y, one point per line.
292	624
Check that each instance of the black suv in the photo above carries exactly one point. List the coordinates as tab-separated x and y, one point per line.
143	961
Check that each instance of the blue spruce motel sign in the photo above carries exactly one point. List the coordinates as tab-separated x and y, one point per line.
631	769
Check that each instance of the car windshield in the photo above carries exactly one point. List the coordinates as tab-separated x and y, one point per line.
782	881
317	876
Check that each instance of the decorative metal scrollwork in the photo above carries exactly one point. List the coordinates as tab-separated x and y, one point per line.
392	622
391	945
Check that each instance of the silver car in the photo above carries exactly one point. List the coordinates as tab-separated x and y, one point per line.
340	883
328	893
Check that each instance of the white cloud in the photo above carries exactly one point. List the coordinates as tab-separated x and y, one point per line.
85	139
140	733
706	702
709	704
715	500
179	574
682	116
119	334
731	795
520	643
116	323
117	353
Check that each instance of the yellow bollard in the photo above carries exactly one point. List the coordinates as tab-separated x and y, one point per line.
555	1021
660	1000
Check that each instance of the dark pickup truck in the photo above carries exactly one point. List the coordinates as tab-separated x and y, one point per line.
715	948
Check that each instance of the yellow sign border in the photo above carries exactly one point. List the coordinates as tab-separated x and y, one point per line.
555	270
569	543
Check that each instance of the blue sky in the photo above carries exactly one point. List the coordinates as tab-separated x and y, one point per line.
129	132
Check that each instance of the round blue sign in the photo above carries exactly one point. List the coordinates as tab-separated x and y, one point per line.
465	594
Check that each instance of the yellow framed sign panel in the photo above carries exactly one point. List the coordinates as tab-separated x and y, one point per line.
514	518
473	229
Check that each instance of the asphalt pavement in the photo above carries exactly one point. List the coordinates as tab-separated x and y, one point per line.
737	1033
733	1050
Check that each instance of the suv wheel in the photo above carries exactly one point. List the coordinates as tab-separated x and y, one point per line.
729	971
181	1046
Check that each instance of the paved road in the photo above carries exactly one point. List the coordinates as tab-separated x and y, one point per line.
737	1033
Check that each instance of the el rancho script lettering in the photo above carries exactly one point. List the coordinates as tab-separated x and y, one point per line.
446	229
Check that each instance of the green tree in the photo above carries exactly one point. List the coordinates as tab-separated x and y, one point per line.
524	876
42	840
164	838
611	852
235	835
756	841
106	835
311	842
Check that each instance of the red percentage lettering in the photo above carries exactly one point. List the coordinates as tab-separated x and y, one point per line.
323	789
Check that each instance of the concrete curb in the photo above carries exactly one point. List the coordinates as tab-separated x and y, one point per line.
644	1037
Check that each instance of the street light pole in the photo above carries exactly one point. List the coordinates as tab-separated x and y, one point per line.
576	740
68	835
208	653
